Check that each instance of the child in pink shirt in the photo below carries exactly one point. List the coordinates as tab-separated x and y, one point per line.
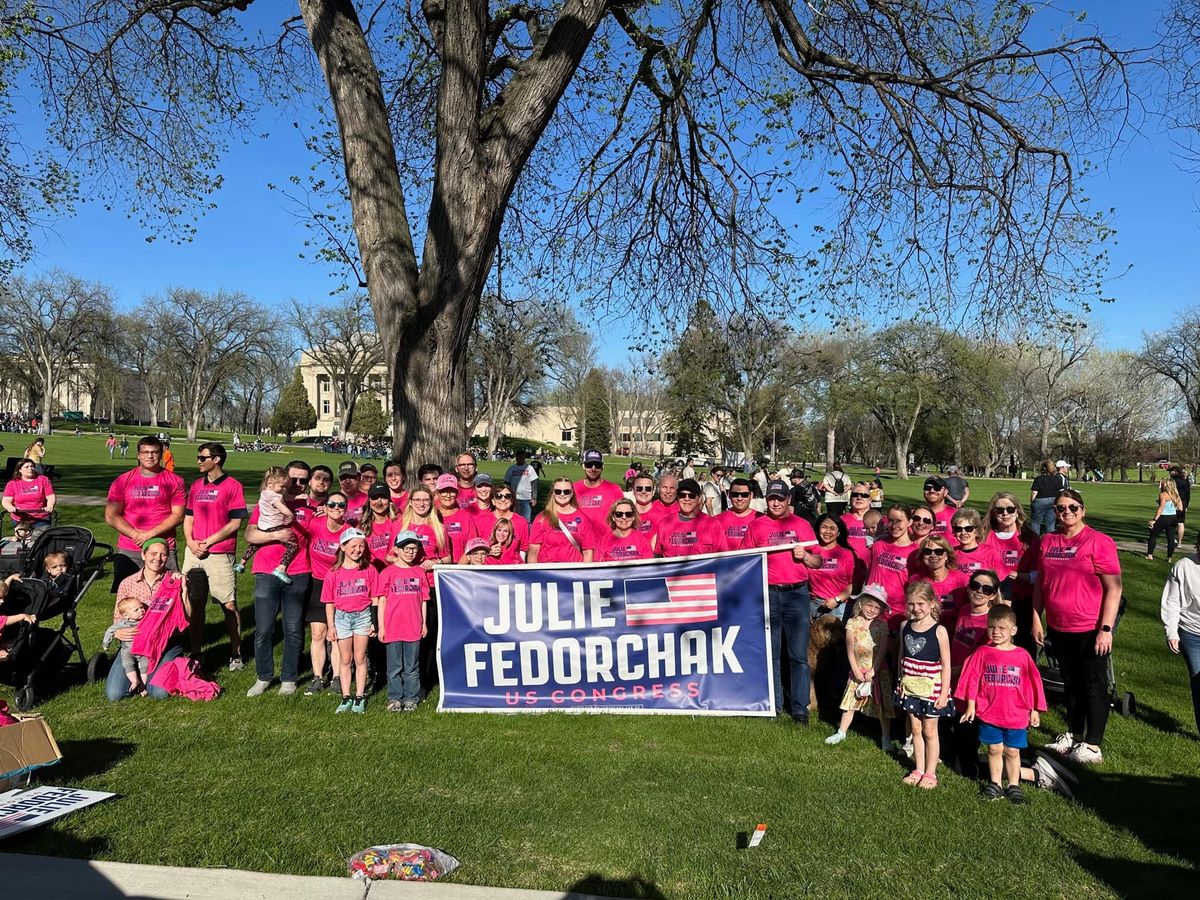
404	593
349	592
1004	693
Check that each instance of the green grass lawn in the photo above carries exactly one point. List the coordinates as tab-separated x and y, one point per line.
621	805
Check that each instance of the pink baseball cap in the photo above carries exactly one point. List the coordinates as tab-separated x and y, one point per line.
477	544
447	482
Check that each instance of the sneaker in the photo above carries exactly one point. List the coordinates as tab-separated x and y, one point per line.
991	791
316	686
281	573
907	749
360	705
1014	794
236	664
1047	779
1063	743
886	745
410	706
1082	753
239	567
258	688
396	706
836	738
335	684
287	688
799	718
345	705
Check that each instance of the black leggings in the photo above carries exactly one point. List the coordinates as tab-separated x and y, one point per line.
1085	683
1161	524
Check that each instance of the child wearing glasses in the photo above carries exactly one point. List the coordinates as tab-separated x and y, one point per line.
274	515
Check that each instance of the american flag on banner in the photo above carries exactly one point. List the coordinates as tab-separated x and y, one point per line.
688	598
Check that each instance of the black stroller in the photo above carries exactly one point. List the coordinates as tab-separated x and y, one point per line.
42	651
1124	703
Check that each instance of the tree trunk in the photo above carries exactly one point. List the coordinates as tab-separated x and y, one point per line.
47	400
900	448
830	443
1044	445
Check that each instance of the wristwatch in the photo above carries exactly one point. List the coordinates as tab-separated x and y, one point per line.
1107	629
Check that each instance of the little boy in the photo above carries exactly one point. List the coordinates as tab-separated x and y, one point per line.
131	611
402	621
1003	691
56	566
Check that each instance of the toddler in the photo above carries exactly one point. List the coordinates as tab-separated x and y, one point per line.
130	612
274	515
869	688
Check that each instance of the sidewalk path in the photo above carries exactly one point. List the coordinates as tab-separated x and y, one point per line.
80	879
82	499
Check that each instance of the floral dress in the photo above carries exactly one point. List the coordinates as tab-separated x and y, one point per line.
864	637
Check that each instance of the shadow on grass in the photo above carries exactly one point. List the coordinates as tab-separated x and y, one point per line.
1157	810
601	886
1164	722
1136	879
84	759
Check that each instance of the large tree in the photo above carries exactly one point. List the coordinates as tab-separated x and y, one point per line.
1174	355
647	145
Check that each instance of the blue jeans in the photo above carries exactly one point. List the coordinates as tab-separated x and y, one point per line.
790	615
116	685
1189	649
525	509
1041	515
818	610
270	597
404	678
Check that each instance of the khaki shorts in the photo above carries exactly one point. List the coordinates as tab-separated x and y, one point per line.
222	582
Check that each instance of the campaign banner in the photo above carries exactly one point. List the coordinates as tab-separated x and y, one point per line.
688	636
20	811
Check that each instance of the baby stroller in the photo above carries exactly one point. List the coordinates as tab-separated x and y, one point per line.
43	650
1124	703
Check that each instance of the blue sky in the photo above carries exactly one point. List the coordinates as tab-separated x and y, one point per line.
252	241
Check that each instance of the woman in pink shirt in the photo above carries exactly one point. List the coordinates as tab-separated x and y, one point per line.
503	549
504	507
324	534
29	497
561	533
971	552
1006	528
940	570
889	563
379	524
832	579
1079	589
624	539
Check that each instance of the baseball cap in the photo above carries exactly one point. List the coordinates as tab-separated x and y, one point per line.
1062	464
778	488
406	537
349	535
875	592
476	544
482	478
447	482
951	469
935	482
593	456
347	468
378	490
690	484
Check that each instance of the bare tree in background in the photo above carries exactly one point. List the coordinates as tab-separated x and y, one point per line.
340	339
1046	355
1174	355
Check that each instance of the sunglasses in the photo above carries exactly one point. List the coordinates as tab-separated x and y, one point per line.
593	465
857	496
302	480
922	520
335	504
564	492
1068	507
929	488
1004	510
200	458
739	493
934	551
502	496
981	587
622	514
688	495
961	529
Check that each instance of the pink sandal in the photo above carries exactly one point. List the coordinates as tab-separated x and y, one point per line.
928	781
913	777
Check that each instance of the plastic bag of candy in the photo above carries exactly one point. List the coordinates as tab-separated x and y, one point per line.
406	862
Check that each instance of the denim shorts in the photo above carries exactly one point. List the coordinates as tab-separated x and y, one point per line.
1013	738
348	623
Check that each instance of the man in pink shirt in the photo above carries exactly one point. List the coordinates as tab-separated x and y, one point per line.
687	532
668	491
216	509
936	492
648	511
736	520
466	467
593	494
787	590
144	503
356	497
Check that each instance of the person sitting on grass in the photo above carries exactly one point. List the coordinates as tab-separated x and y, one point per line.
1003	690
869	688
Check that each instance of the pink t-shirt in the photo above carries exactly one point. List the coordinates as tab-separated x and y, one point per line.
509	556
677	536
404	589
466	497
648	520
164	616
399	502
268	556
554	546
429	540
1005	685
733	528
595	502
355	506
1018	553
611	548
350	590
1069	576
213	505
323	546
460	528
889	567
951	591
782	566
968	631
941	523
983	556
379	541
30	496
147	501
836	572
485	521
856	537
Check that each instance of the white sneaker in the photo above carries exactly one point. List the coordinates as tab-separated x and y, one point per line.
258	688
908	748
287	687
836	738
1048	780
1063	743
1086	755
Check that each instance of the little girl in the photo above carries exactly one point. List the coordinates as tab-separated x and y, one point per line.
350	591
869	689
402	621
924	690
476	552
273	515
503	550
